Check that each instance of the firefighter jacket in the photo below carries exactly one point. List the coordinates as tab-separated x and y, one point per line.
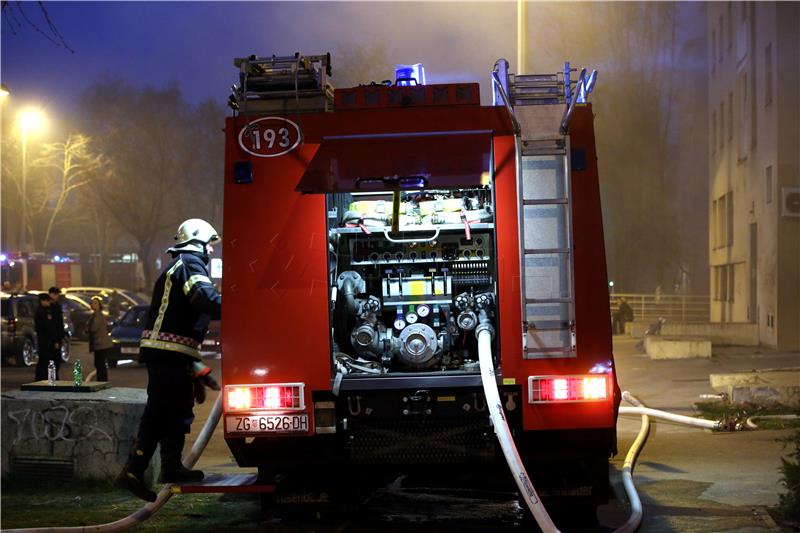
184	301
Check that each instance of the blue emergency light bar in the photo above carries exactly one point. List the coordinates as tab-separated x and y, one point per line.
406	74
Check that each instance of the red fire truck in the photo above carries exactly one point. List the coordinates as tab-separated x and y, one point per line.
369	232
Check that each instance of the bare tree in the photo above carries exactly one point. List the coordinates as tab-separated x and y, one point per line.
149	137
15	16
75	164
640	95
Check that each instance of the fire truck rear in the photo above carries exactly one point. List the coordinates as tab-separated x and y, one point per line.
370	234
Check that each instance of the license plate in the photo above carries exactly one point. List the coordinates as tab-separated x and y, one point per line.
266	423
209	342
129	350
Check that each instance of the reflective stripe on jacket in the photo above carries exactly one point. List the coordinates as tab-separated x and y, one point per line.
184	301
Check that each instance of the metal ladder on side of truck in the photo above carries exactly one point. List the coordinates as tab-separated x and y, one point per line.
536	103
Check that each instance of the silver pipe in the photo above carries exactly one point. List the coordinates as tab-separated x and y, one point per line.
565	120
504	96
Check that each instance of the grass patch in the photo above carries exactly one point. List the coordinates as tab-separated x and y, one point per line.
741	412
24	505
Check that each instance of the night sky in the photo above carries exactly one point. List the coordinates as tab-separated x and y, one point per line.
194	43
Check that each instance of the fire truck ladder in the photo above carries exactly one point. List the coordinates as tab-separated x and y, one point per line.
287	84
545	203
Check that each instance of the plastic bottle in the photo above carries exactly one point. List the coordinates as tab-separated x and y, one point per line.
51	373
76	373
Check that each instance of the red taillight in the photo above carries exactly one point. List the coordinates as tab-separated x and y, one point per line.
546	389
279	396
12	326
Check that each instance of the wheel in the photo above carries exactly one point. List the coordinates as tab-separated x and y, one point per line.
111	362
65	350
28	356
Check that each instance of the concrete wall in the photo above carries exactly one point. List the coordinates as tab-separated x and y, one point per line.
89	433
726	334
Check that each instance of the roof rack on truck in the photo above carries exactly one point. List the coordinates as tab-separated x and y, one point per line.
288	84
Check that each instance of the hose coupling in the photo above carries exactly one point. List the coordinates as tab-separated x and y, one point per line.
485	326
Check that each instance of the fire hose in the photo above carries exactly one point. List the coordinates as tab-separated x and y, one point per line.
484	333
149	509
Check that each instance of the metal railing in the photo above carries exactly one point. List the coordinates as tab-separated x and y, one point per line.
673	307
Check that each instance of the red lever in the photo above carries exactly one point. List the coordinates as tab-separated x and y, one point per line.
466	225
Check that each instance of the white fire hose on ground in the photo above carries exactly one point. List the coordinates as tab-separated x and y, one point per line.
149	509
484	333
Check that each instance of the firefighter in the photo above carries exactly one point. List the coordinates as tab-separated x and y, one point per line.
184	300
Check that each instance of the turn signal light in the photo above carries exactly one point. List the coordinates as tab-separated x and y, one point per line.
277	396
547	389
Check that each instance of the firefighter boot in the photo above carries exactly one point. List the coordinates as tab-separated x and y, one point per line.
132	476
172	469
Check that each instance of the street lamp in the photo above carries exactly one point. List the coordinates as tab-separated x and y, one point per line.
31	120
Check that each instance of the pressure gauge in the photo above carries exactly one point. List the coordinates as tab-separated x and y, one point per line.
399	324
411	318
423	311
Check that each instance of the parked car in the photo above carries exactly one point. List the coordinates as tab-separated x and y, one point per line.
127	334
115	301
19	342
80	311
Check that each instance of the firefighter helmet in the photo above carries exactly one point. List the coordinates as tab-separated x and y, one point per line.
193	235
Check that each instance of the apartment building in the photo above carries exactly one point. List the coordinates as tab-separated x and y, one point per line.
754	167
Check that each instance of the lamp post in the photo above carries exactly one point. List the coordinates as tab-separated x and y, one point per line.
30	120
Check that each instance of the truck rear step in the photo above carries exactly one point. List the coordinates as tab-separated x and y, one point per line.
224	483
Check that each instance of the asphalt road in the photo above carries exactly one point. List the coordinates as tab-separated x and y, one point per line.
690	480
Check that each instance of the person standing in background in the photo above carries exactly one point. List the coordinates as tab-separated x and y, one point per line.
99	340
49	334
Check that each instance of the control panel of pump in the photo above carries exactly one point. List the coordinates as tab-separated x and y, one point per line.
407	297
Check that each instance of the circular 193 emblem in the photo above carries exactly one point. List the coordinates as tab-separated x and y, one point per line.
269	137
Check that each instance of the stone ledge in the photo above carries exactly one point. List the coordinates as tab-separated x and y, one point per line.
728	333
760	387
87	433
658	347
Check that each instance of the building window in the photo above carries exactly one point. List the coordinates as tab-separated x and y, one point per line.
768	184
714	228
713	132
743	123
721	32
720	224
729	218
723	283
768	75
731	269
721	124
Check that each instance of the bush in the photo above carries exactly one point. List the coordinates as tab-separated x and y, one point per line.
789	506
